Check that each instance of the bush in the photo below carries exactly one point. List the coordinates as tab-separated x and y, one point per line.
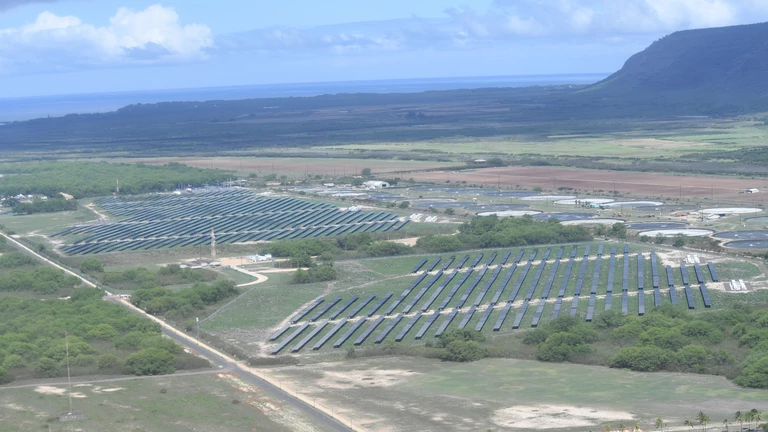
463	335
16	259
754	374
83	360
560	347
46	367
14	361
321	273
4	376
150	361
463	351
386	248
108	361
642	359
91	265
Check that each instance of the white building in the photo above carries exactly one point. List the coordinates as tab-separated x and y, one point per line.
753	190
376	184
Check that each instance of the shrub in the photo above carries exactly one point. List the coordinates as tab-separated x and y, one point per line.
150	361
46	367
91	265
643	359
463	351
108	361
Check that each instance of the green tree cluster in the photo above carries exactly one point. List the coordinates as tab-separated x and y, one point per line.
42	280
492	231
88	179
462	345
32	339
50	205
182	303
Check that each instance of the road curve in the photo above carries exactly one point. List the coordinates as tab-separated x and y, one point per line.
322	415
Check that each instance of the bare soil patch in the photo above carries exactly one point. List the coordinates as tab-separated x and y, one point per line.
540	417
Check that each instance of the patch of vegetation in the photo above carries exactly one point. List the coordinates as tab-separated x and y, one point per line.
171	274
492	231
181	304
103	337
51	205
89	179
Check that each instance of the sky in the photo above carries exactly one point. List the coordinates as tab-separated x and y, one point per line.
92	46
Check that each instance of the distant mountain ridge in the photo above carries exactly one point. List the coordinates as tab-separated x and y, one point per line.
706	69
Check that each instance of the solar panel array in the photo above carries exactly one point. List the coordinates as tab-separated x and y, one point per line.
495	278
236	215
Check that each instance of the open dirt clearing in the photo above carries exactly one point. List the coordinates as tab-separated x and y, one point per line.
636	183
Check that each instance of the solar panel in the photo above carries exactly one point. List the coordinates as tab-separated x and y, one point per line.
343	307
329	335
476	261
379	304
427	325
424	290
535	280
626	248
625	302
519	282
670	279
713	272
462	262
505	258
580	278
611	266
575	306
551	279
290	338
491	259
684	273
558	305
539	311
453	290
309	309
699	273
471	288
467	317
640	275
487	286
567	276
360	307
325	309
363	336
419	265
446	323
380	337
586	250
673	294
560	253
309	337
600	249
519	256
408	327
349	332
654	270
689	297
448	262
574	251
596	274
504	283
533	255
640	302
520	315
279	332
705	295
608	298
410	288
433	265
484	318
502	317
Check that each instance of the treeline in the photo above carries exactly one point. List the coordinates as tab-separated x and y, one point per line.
50	205
171	274
22	273
89	179
492	231
182	304
103	338
732	343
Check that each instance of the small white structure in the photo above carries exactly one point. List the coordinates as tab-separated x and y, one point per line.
260	258
376	184
753	190
329	185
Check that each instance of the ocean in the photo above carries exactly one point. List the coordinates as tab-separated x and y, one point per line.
16	109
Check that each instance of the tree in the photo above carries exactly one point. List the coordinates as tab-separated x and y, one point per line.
679	241
659	424
450	211
91	265
404	205
366	172
150	361
703	419
739	417
688	423
46	367
725	423
619	230
4	377
607	428
108	361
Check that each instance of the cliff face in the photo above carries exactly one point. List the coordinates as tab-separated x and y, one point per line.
713	67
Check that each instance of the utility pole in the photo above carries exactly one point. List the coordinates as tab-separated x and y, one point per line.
69	379
213	244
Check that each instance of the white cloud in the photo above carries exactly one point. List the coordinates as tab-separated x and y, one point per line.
153	35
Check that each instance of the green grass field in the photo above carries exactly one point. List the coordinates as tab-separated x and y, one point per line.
167	404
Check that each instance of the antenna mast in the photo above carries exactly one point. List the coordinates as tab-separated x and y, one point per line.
69	380
213	244
117	182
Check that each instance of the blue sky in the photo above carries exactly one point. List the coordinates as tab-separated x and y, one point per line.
60	47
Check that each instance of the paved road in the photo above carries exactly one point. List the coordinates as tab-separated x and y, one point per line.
226	363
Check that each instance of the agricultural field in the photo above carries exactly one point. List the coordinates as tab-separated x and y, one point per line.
410	300
235	215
